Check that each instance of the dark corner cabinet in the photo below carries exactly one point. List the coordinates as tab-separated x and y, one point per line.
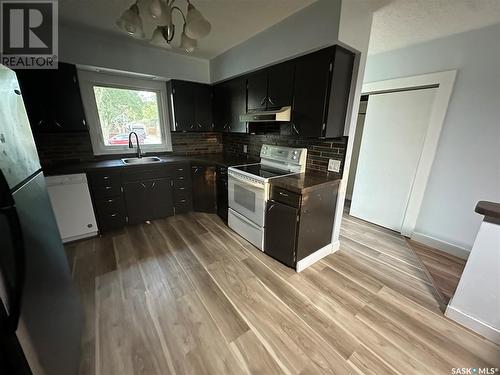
52	99
230	101
297	225
138	194
321	92
190	106
316	86
204	188
222	196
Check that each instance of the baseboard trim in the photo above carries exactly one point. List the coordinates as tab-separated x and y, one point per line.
79	237
447	247
485	330
317	255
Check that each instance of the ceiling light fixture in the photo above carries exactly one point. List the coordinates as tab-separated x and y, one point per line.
195	25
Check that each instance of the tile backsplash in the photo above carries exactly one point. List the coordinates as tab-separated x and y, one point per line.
56	148
318	150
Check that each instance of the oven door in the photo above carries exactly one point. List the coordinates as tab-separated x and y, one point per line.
248	199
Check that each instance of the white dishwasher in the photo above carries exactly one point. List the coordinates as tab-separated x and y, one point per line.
70	198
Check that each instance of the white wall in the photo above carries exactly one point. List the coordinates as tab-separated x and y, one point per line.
467	164
311	28
85	48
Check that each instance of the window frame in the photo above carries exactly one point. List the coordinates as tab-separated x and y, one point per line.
89	79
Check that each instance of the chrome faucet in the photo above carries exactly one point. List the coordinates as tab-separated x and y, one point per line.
130	145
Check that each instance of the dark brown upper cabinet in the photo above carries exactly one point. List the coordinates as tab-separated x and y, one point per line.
52	99
321	92
229	102
190	106
280	85
257	91
271	88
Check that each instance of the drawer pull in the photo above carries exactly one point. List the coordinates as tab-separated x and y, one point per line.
181	188
113	215
283	194
181	178
105	178
110	201
182	201
107	187
180	169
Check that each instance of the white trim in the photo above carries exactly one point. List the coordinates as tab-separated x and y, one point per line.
89	79
445	81
79	237
314	257
485	330
444	246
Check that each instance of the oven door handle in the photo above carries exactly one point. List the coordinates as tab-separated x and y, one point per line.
247	182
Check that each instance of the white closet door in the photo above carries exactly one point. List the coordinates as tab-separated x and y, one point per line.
393	137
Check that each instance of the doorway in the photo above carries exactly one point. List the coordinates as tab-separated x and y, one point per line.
394	147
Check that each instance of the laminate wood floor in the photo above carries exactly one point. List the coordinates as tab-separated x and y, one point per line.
185	295
445	270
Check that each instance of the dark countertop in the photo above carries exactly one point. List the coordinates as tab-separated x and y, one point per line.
306	182
225	160
489	209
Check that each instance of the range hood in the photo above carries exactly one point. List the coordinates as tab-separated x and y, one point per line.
282	114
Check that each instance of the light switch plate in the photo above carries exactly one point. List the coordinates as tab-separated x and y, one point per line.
245	149
334	165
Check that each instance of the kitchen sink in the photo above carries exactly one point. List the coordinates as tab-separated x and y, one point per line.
143	160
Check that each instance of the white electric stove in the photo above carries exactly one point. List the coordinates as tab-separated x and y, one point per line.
248	189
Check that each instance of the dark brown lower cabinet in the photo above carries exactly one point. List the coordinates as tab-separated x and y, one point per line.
148	199
296	224
204	188
281	232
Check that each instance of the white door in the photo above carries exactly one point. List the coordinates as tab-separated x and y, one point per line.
393	136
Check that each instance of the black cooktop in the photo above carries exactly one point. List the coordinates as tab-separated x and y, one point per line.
262	171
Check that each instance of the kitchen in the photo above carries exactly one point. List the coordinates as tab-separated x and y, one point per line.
169	209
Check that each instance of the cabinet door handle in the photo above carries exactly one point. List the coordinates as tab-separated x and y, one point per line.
57	124
271	207
295	129
192	126
153	184
263	101
199	125
109	201
144	186
225	125
182	201
283	194
270	100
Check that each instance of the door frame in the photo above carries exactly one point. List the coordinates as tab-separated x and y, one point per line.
444	82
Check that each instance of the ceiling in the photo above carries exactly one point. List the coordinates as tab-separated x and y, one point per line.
406	22
233	21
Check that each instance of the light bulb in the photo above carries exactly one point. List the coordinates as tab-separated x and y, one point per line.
197	26
131	22
187	43
155	8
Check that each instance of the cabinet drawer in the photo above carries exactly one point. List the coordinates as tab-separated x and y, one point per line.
182	192
111	221
183	205
102	191
182	183
181	170
109	205
146	174
285	196
104	178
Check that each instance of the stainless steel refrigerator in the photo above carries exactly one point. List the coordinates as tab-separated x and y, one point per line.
40	313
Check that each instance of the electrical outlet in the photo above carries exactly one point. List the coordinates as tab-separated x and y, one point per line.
245	149
334	165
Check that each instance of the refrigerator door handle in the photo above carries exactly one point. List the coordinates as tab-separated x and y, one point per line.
14	292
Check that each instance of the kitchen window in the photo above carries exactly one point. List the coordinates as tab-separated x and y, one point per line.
116	105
